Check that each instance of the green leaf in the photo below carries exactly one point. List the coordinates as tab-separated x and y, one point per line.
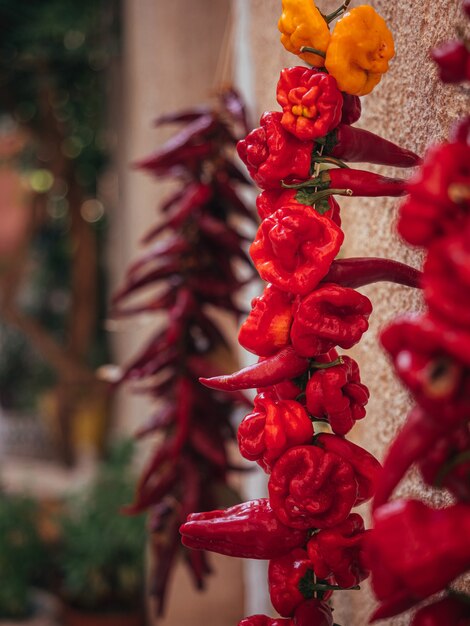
306	585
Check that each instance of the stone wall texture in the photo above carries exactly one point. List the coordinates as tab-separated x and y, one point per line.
411	108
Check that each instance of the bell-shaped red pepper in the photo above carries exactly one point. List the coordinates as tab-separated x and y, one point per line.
338	551
329	316
249	530
312	488
294	248
266	329
451	611
415	551
271	200
337	395
290	580
272	154
272	428
439	201
313	613
310	100
428	357
446	279
365	465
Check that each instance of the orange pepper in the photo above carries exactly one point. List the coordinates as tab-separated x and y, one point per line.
302	24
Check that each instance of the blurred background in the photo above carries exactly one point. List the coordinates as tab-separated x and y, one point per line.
81	84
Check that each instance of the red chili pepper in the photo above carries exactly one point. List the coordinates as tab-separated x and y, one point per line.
439	201
413	442
428	357
453	61
310	100
352	109
269	201
466	7
415	551
294	248
271	154
362	183
338	551
446	279
269	371
311	488
365	466
460	131
313	613
290	580
249	530
360	271
447	463
188	115
357	145
266	329
162	419
272	428
337	395
451	611
329	316
264	620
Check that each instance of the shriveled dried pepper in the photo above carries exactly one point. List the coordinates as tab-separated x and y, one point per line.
329	316
311	102
337	395
272	428
311	488
360	48
294	248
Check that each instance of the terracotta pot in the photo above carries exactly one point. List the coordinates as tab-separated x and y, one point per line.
74	617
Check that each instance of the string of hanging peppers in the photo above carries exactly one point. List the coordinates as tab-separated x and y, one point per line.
190	271
308	395
431	356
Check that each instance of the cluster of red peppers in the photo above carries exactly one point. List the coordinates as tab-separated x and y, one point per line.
308	395
416	551
193	268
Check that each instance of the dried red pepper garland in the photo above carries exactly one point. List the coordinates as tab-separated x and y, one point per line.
414	550
190	268
309	308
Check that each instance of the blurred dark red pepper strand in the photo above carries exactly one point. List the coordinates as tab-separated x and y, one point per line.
193	260
415	551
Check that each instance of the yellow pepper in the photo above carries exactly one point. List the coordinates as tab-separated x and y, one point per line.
302	24
360	48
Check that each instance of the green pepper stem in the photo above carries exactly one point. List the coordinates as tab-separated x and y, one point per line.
331	16
323	366
329	159
463	457
313	51
320	587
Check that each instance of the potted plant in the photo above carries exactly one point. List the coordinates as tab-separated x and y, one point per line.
101	554
22	560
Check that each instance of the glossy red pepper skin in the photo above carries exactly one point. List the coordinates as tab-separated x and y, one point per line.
266	330
271	200
415	551
338	551
264	620
357	145
337	395
271	428
360	271
288	581
329	316
269	371
272	154
434	206
446	279
365	465
310	100
294	247
312	488
249	530
429	359
449	611
453	61
363	183
352	109
313	613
